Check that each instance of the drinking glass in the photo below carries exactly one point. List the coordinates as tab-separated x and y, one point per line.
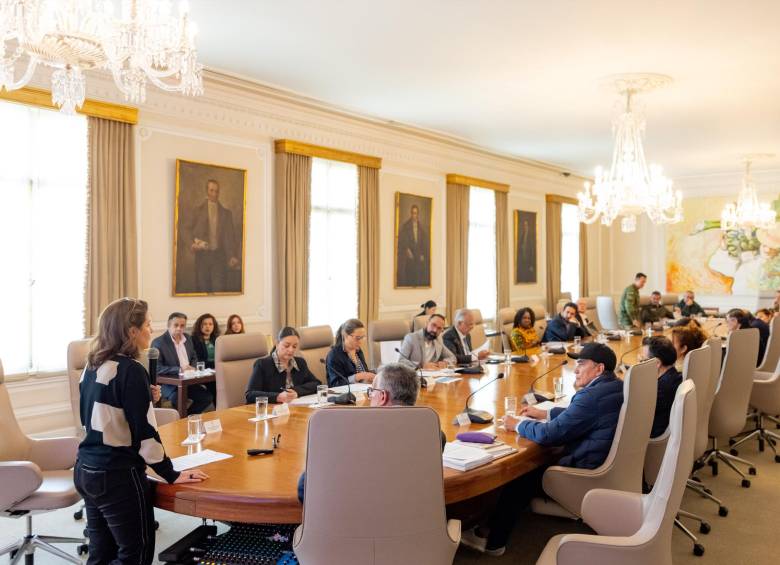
510	405
508	356
322	394
577	340
558	385
194	428
261	407
200	366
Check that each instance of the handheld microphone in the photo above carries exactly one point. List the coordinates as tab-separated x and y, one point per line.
153	354
341	399
540	397
479	416
417	366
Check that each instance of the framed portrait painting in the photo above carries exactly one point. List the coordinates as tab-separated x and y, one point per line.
208	229
525	247
413	215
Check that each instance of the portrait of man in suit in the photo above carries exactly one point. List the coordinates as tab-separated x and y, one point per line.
525	247
208	256
413	241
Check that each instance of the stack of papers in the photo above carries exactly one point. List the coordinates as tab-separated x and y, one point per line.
497	449
463	457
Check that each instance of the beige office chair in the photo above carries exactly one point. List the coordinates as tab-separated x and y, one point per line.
772	353
605	306
541	319
477	334
505	319
670	300
37	477
635	528
234	357
765	399
727	416
361	504
622	469
560	304
592	312
389	332
316	341
419	322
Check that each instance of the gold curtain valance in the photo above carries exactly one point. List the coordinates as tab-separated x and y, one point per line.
300	148
93	108
471	181
560	199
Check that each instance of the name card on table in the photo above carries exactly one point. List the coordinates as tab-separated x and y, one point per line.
212	426
529	399
534	358
281	409
463	419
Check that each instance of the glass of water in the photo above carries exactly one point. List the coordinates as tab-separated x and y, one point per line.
558	386
194	428
261	407
510	405
200	366
322	394
577	340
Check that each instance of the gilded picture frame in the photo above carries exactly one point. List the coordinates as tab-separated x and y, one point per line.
526	250
412	245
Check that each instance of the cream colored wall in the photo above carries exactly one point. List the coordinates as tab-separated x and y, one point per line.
525	294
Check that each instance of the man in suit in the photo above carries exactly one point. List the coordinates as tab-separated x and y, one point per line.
178	354
458	338
413	251
425	348
655	311
565	326
213	242
585	430
688	306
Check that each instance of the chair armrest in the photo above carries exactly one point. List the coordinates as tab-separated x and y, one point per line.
612	512
568	485
19	479
759	376
165	415
54	454
453	530
583	548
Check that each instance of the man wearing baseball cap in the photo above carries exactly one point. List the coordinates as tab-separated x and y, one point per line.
584	429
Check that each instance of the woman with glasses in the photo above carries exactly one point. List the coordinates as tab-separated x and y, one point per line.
282	377
345	362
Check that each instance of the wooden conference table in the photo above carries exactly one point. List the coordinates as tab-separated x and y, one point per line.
264	488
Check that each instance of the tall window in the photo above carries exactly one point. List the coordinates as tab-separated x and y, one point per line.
333	243
570	250
43	225
481	283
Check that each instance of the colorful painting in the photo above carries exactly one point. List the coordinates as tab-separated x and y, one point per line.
703	258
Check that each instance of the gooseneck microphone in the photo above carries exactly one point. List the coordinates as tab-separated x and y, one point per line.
623	356
153	354
418	368
479	416
341	399
540	397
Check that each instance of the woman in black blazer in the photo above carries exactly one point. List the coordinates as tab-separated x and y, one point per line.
345	362
205	332
281	376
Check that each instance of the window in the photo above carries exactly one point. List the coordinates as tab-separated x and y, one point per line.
481	285
570	250
43	226
333	243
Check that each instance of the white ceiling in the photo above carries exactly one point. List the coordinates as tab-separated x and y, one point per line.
522	76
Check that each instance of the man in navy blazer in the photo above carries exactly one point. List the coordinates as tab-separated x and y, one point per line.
565	326
585	430
177	352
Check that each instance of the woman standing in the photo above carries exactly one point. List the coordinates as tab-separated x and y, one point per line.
524	336
282	376
345	362
205	332
120	441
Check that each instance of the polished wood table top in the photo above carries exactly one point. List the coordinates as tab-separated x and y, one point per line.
264	488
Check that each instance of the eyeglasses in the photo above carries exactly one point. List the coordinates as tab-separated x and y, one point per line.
371	390
358	337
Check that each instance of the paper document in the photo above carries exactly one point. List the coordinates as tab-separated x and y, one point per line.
304	400
484	347
445	380
462	457
199	459
437	373
357	387
266	417
548	405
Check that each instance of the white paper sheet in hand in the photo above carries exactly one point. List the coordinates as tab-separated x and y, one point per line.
199	459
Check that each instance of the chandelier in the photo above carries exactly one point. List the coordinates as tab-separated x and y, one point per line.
144	42
630	187
747	213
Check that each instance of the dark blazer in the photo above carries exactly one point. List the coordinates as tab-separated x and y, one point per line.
266	380
692	310
586	428
452	342
667	387
201	352
559	329
587	329
225	228
763	337
168	364
340	368
652	313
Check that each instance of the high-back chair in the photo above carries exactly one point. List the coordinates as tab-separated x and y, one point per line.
477	334
418	322
234	357
541	319
505	319
772	353
670	300
316	341
635	528
622	469
37	477
727	416
765	398
377	513
386	332
605	306
592	312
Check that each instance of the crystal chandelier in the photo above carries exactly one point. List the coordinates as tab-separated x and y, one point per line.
144	42
747	213
630	187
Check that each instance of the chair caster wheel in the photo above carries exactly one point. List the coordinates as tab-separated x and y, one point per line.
761	445
13	554
714	468
752	471
83	549
698	549
705	528
734	452
29	559
723	511
156	525
708	491
78	514
697	479
777	458
731	442
745	483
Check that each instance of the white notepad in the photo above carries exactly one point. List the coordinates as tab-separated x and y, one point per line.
199	459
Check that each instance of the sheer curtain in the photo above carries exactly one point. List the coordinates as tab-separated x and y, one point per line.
570	250
481	286
333	243
43	227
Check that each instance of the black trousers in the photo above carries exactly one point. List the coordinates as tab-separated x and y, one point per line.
514	497
211	271
202	396
120	515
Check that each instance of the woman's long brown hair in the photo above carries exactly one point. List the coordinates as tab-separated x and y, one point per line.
113	336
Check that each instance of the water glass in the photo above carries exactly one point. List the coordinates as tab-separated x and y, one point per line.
577	340
508	356
261	407
200	366
194	428
558	386
510	405
322	394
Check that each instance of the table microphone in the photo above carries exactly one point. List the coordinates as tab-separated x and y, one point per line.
479	416
621	364
344	398
537	395
153	354
418	368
